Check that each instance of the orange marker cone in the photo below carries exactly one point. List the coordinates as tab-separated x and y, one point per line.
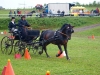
62	55
5	32
93	37
4	69
48	73
9	69
27	55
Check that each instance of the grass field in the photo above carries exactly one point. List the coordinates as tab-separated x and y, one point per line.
6	11
84	56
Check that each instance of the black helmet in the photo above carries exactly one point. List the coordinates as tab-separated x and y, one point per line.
23	16
13	18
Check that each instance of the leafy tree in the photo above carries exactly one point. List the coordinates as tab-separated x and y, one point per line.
94	3
78	4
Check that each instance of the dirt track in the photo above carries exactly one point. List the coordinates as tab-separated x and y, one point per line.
86	28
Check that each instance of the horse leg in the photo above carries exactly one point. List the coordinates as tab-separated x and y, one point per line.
46	51
40	52
59	46
65	48
44	48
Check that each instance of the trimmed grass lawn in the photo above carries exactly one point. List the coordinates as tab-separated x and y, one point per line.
84	56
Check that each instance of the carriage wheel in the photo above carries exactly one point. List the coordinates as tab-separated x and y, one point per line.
6	45
28	47
19	47
36	47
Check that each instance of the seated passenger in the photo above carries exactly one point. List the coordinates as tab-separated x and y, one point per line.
12	25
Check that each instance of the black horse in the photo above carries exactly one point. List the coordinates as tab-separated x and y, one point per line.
30	13
59	37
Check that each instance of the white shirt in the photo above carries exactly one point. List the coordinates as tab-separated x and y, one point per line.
13	22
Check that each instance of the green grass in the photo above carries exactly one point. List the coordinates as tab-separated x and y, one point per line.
94	31
84	56
92	7
6	11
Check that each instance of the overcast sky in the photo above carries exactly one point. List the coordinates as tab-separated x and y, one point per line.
31	3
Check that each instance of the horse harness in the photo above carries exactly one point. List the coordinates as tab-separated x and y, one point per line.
57	37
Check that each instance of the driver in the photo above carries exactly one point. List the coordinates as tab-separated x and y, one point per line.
22	26
22	22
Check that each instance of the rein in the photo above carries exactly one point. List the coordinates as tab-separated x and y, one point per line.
63	33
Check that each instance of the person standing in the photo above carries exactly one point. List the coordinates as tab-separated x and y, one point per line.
10	13
15	13
58	12
63	13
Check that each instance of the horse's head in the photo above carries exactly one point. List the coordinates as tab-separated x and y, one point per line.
68	30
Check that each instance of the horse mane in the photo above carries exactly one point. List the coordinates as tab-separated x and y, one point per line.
64	25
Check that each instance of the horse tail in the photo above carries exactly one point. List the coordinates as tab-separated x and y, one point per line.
41	36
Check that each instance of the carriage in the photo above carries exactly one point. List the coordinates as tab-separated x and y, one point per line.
17	43
59	37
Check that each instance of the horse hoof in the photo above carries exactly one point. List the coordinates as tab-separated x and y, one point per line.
57	55
48	56
40	52
68	58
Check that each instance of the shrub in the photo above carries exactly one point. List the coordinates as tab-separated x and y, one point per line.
56	22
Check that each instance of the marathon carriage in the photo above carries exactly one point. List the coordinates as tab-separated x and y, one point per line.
59	38
18	43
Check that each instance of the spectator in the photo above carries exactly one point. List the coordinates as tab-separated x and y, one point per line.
63	13
10	13
19	13
92	11
15	13
41	15
50	12
58	12
53	13
97	10
80	12
44	13
37	14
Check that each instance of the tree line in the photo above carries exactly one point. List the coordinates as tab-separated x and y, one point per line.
92	4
